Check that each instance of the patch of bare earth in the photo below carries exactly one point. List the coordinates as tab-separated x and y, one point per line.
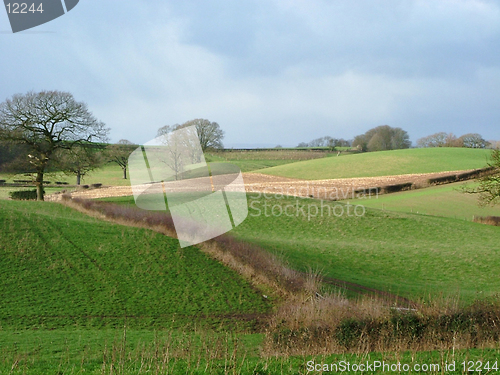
333	189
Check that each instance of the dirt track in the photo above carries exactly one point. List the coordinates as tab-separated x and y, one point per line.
342	188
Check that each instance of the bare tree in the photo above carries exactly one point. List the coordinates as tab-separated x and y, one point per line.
210	134
433	140
79	161
473	140
48	121
178	150
119	153
493	144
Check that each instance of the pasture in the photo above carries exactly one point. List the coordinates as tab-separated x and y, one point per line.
411	255
61	268
398	252
447	201
385	163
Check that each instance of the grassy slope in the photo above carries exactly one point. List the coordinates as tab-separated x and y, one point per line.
447	201
385	163
408	254
411	255
61	268
249	161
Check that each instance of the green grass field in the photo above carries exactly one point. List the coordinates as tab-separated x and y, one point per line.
412	255
61	268
110	175
254	160
447	201
385	163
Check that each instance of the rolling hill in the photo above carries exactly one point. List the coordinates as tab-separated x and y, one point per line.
384	163
60	268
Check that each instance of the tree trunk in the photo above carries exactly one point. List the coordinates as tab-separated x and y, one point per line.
39	186
124	172
78	177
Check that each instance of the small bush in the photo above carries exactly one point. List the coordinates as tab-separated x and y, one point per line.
61	183
95	186
489	220
2	182
442	180
474	174
397	187
23	195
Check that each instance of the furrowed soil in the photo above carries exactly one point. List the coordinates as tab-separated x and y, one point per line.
332	189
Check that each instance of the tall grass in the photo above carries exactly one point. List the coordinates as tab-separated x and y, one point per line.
333	324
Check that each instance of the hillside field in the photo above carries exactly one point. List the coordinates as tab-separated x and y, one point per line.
385	163
447	201
60	268
411	255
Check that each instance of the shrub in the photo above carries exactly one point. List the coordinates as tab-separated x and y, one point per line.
442	180
489	220
23	195
396	188
95	186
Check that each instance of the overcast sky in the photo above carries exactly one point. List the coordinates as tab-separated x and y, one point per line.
269	71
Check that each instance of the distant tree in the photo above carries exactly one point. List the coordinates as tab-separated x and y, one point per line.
453	141
325	141
46	122
181	149
118	153
80	160
377	143
433	140
210	134
489	185
382	138
342	143
360	142
473	140
278	146
442	139
493	144
399	139
167	129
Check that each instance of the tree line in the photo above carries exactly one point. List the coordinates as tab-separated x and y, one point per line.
380	138
442	139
